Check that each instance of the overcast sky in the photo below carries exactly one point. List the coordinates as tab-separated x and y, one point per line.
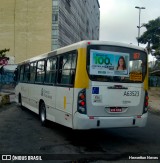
119	18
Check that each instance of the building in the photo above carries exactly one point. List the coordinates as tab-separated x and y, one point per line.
32	27
73	21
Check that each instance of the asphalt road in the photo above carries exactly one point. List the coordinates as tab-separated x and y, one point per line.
22	133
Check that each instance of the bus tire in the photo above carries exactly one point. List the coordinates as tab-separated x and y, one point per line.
42	113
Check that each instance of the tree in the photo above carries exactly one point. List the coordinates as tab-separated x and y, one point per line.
3	52
3	58
151	37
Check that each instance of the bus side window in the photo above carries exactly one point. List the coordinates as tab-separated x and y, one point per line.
51	68
60	64
73	69
40	73
21	73
32	72
16	75
72	76
65	79
67	66
26	73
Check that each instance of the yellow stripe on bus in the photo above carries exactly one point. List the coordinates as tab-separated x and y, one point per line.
81	80
146	81
65	101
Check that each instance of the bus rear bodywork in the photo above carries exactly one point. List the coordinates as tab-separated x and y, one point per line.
116	100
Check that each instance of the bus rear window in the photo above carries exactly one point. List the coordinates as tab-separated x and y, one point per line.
116	64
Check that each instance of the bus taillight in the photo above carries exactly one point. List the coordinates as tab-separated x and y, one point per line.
146	104
82	96
82	102
145	109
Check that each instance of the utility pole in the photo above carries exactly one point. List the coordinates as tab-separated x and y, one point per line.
139	27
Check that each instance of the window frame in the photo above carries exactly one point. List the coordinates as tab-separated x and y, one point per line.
53	57
59	75
38	82
96	77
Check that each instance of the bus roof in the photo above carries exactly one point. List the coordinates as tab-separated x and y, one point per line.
81	44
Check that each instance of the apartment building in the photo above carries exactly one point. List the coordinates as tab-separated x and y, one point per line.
32	27
73	21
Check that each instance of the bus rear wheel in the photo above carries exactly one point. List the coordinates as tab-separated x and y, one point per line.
43	113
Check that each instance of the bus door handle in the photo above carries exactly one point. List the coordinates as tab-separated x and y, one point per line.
117	87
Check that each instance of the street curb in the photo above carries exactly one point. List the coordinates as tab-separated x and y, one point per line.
6	98
7	106
154	111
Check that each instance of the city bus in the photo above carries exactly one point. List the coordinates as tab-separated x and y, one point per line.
87	85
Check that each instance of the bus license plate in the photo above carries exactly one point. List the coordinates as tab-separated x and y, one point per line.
115	109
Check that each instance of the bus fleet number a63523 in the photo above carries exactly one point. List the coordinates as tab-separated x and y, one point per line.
131	93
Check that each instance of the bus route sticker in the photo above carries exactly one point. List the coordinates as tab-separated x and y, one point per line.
135	76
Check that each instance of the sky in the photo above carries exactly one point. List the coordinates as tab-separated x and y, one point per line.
119	19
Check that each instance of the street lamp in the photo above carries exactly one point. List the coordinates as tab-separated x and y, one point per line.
139	21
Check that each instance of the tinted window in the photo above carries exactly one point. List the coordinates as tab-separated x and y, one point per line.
26	73
116	64
51	69
67	66
40	73
32	72
21	73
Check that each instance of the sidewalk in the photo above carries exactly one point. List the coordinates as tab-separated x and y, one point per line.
154	100
7	96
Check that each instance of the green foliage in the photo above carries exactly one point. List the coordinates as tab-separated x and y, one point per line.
157	65
3	52
150	69
152	36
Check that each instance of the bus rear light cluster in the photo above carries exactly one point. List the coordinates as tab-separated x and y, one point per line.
145	109
82	102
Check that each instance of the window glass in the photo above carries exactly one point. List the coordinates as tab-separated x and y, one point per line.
74	60
67	66
135	66
51	71
26	73
32	72
21	73
65	77
67	61
55	17
40	72
116	64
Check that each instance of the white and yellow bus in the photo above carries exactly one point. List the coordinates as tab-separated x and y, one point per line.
87	85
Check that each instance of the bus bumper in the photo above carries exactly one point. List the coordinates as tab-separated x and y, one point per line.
81	121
